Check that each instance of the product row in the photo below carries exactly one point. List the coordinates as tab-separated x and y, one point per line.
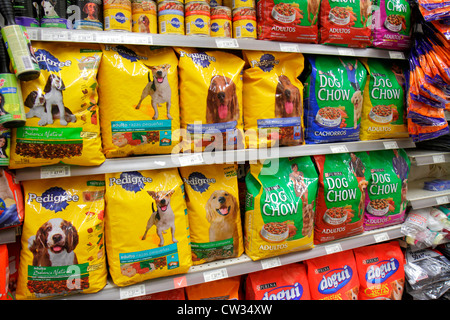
155	223
353	24
93	102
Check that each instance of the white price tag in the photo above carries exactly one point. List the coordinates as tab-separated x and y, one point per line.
333	248
396	55
438	158
380	237
215	274
132	291
109	37
271	263
227	43
192	159
289	47
139	39
83	37
390	145
346	52
33	34
338	149
55	35
55	172
442	200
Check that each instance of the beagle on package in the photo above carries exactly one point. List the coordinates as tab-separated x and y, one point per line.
63	247
139	104
146	225
273	107
210	100
212	201
61	109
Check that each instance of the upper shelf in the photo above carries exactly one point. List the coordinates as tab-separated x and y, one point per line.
190	159
426	157
118	37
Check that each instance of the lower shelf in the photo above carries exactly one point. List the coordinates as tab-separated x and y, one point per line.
237	266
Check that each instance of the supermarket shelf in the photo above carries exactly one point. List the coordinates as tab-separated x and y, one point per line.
420	198
204	158
114	37
8	235
426	157
233	267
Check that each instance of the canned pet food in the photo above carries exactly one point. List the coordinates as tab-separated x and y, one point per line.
25	13
244	23
54	14
197	17
144	18
117	15
243	4
221	22
88	14
171	17
215	3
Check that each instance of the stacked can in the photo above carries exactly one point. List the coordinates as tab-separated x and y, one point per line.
197	18
88	14
144	17
244	23
221	22
117	15
171	17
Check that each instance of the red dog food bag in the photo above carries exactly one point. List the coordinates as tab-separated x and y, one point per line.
4	272
289	282
333	277
381	271
224	289
345	23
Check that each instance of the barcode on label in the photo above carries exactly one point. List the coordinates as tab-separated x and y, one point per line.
215	274
238	32
132	291
55	172
27	63
107	23
163	27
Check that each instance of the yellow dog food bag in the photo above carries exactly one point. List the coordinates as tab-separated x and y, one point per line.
69	132
147	229
273	99
212	200
63	243
139	98
210	100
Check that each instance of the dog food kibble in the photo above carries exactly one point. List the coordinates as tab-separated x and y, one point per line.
144	16
244	23
197	18
221	22
117	15
171	17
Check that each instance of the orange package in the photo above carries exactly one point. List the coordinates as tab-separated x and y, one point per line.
174	294
381	271
333	277
224	289
289	282
4	272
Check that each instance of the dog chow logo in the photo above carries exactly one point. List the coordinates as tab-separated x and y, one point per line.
131	181
55	199
335	280
49	62
381	271
199	182
200	58
266	63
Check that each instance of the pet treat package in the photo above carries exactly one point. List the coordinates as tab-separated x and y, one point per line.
384	107
381	271
273	105
333	277
288	282
391	24
139	104
343	180
62	124
147	230
210	100
63	243
280	206
288	20
11	200
333	99
386	201
224	289
345	23
212	200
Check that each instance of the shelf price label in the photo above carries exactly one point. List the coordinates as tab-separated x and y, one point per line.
438	158
83	36
132	291
190	160
289	47
396	55
338	149
217	274
270	263
390	145
442	200
227	43
381	237
333	248
55	35
55	172
346	52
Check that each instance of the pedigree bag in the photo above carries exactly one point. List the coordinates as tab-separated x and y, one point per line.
146	226
279	207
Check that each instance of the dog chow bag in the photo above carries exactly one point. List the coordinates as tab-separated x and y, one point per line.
288	20
381	271
61	108
146	225
138	100
279	207
210	100
333	277
333	99
386	202
289	282
63	242
273	103
343	180
384	107
212	200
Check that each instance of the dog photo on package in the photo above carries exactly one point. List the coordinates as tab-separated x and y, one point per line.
146	225
139	97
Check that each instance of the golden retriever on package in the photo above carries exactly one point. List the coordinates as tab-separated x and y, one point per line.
222	102
287	99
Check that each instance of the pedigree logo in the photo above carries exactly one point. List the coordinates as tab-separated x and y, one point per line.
55	199
131	181
49	62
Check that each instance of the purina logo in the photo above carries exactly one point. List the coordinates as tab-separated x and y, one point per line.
131	181
54	199
198	181
266	63
335	279
200	58
294	292
49	62
380	272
